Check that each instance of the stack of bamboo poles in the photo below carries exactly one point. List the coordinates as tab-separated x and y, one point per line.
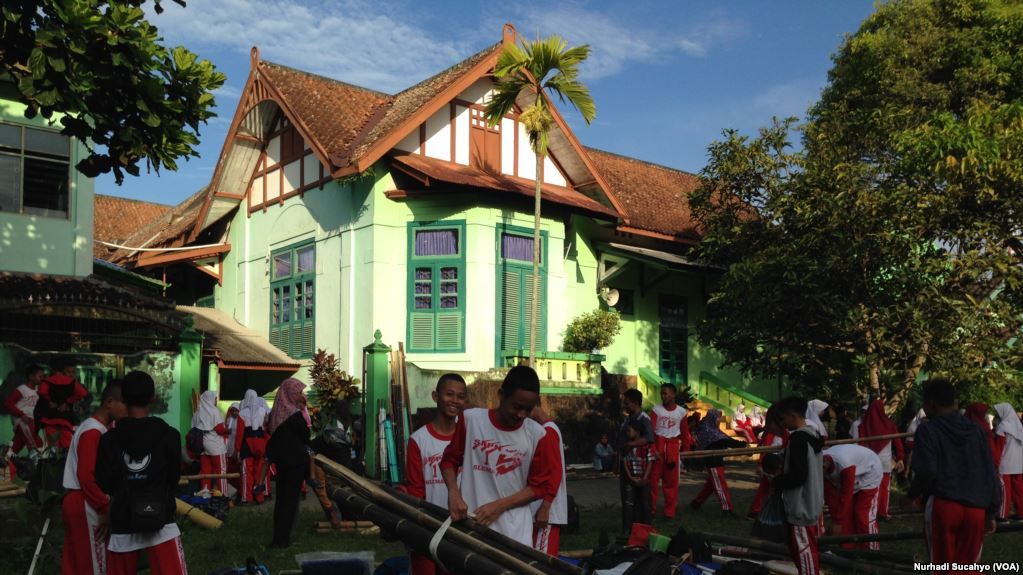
774	448
467	548
8	490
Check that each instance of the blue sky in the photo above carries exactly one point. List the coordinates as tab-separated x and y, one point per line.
667	76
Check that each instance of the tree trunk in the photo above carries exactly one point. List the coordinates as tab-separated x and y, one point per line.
908	380
535	302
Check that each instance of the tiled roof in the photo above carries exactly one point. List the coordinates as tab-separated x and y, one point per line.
335	113
426	168
655	197
409	101
174	223
117	218
40	289
234	342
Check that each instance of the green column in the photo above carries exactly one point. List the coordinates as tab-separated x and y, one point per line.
375	388
191	377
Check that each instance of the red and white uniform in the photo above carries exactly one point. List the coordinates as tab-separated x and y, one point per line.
1009	444
22	403
61	391
851	490
670	437
499	461
548	539
84	552
892	451
423	479
764	489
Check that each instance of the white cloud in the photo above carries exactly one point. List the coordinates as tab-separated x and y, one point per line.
616	43
788	99
352	40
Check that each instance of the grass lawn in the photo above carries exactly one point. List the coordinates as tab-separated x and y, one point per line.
247	530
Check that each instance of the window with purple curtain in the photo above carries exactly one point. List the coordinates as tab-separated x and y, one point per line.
514	247
436	242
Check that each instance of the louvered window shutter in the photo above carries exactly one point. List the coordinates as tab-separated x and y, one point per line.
511	310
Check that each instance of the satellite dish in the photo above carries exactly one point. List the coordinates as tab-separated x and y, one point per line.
611	297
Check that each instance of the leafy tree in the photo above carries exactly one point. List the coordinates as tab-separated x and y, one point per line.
101	65
592	330
889	245
531	73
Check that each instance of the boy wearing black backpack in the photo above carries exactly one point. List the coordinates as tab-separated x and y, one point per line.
139	465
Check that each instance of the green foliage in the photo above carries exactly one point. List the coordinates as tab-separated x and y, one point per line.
101	65
592	330
890	244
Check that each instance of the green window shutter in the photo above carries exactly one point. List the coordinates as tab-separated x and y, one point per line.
304	337
421	331
284	333
511	310
276	340
449	331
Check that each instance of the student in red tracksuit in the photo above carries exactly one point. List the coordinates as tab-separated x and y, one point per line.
954	472
671	435
709	437
58	394
250	446
549	515
506	460
874	423
853	475
213	460
1009	444
85	506
21	404
425	450
774	436
801	483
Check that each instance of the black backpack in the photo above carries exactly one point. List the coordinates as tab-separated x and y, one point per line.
652	563
142	495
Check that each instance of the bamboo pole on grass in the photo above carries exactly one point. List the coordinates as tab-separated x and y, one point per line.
186	478
424	519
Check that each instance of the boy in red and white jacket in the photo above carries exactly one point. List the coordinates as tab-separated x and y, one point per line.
58	395
21	404
853	475
549	516
424	453
505	460
671	436
85	507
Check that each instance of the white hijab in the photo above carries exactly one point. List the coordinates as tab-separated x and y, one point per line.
232	426
740	414
1009	424
920	417
813	410
756	417
253	410
207	416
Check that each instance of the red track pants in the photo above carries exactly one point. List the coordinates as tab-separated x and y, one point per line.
1012	495
763	490
25	435
884	494
547	539
955	533
213	464
84	552
167	558
863	519
665	472
249	469
717	485
803	547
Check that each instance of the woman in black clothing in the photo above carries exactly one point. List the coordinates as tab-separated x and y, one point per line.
288	448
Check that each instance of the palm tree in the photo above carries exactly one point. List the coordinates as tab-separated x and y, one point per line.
539	70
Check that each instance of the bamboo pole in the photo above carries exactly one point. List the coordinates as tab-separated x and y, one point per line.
1010	527
458	558
424	519
825	558
9	487
346	525
774	448
12	493
186	478
198	516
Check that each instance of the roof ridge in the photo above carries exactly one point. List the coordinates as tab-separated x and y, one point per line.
639	161
448	70
135	200
327	78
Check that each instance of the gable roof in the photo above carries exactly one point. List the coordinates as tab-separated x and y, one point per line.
116	218
656	197
170	226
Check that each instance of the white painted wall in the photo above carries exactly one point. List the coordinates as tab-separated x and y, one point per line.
410	143
438	135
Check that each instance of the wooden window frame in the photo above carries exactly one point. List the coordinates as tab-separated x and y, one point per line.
524	266
291	280
436	263
22	153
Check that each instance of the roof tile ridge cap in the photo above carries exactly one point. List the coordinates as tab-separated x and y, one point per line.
133	200
641	161
325	78
480	55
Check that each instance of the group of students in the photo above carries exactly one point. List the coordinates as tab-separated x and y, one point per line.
503	466
235	443
45	404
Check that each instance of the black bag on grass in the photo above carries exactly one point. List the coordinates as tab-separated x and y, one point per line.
741	567
652	563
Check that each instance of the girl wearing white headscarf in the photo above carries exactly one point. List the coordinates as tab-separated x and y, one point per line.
233	425
213	460
252	413
741	424
813	416
1009	441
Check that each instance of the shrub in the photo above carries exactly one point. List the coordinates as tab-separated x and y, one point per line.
330	386
593	330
